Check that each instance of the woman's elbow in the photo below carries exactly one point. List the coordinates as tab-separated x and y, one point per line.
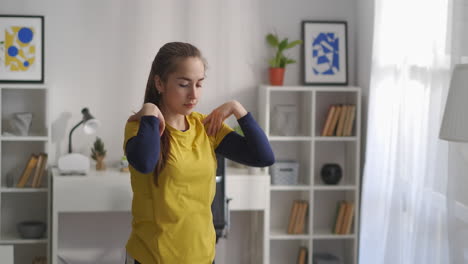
268	160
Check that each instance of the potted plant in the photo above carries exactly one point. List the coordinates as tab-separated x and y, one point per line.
98	153
279	61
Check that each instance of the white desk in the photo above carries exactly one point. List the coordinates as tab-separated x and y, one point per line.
110	191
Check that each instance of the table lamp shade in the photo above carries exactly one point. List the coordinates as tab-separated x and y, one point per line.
91	126
455	120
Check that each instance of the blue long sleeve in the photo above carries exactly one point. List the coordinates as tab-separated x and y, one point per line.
143	149
252	149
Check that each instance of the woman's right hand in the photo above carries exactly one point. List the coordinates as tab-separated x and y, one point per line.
149	109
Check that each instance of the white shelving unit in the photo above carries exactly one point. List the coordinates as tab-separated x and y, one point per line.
23	204
312	151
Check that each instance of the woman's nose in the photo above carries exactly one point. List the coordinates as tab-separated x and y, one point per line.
193	92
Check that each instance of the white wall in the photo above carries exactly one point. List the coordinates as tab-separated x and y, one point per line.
365	22
98	53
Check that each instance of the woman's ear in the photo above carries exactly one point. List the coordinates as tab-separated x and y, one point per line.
158	84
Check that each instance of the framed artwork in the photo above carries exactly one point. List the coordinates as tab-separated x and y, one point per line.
325	52
21	49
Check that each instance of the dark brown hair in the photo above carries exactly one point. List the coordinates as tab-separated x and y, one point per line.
165	63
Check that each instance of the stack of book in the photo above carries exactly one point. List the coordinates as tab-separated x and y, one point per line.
297	218
340	120
302	256
344	218
33	172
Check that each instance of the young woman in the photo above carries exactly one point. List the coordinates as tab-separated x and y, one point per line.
171	150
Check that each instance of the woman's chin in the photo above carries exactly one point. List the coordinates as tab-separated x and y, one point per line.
187	111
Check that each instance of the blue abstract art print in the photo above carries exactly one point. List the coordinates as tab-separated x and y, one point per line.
325	53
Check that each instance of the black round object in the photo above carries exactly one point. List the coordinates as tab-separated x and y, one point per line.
31	229
331	173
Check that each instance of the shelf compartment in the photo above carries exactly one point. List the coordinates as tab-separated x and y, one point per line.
295	151
280	207
287	251
344	154
325	99
14	159
25	100
25	253
18	207
344	249
328	202
298	122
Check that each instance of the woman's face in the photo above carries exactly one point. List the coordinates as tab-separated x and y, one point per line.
181	92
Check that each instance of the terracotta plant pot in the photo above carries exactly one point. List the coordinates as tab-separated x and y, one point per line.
276	76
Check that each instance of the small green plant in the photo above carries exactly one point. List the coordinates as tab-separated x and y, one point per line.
98	149
280	60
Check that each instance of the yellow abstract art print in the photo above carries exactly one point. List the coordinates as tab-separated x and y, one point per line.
21	49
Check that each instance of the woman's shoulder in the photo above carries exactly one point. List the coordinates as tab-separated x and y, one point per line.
197	116
132	124
131	128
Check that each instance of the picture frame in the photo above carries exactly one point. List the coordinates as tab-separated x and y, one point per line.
325	52
21	49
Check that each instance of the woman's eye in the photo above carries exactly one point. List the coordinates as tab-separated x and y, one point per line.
183	85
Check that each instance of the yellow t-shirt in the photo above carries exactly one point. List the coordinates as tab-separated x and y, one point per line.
173	223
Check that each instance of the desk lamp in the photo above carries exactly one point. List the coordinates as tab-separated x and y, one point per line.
76	163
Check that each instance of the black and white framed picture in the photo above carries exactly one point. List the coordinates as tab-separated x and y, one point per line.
21	49
325	58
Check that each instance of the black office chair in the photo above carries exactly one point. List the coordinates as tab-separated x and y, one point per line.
220	205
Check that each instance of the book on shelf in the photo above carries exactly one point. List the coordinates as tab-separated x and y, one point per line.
302	256
37	170
33	172
348	220
344	218
331	112
40	170
292	217
339	217
297	218
334	121
341	120
300	228
348	128
28	169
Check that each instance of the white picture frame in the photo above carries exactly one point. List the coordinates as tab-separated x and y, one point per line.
21	49
325	58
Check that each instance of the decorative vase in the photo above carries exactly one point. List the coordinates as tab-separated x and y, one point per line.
331	173
100	165
277	76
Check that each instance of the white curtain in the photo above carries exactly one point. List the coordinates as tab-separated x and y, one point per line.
404	205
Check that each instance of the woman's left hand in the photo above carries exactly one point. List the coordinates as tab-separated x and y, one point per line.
216	118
